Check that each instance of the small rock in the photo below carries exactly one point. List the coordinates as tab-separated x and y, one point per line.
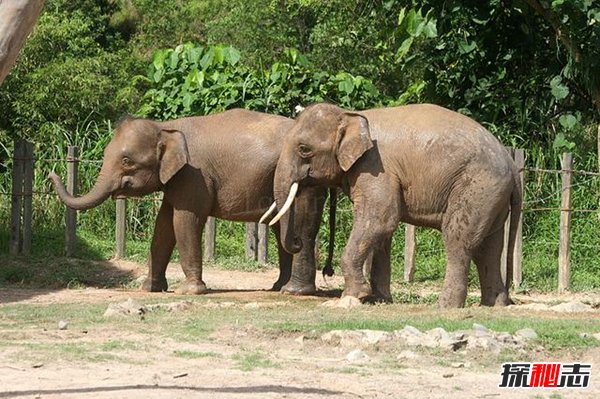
526	334
129	307
170	307
252	305
597	336
37	365
374	337
357	355
62	325
448	375
300	340
345	338
572	307
487	343
457	365
410	335
506	338
584	335
480	330
349	302
407	355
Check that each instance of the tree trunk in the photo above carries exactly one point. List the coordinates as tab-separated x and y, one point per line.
17	19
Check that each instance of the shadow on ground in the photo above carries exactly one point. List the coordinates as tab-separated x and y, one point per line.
241	390
47	269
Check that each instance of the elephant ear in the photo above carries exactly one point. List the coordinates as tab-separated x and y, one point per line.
172	154
354	140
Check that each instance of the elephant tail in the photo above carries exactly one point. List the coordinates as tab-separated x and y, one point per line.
516	206
328	268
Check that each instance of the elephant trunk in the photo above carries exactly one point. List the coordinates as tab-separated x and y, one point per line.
98	194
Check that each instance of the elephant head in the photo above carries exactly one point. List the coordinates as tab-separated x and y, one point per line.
140	159
324	143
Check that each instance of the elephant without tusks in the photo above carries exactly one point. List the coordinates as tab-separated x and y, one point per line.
420	164
220	165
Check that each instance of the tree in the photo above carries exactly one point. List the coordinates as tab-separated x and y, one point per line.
17	19
576	25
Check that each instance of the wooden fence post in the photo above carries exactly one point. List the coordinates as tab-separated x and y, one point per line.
251	240
120	227
410	245
564	267
27	198
71	214
518	255
16	197
263	244
210	234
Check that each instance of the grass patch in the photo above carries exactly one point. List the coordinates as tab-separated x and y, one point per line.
253	360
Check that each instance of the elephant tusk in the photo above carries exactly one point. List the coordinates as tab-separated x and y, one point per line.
287	204
268	212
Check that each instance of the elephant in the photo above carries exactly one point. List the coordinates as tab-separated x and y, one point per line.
220	165
420	164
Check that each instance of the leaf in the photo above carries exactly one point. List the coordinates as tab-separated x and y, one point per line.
430	29
568	121
465	47
158	74
559	90
159	58
207	60
188	99
173	59
232	55
404	49
401	15
346	85
219	55
561	143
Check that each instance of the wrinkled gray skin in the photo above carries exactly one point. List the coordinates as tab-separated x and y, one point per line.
220	165
420	164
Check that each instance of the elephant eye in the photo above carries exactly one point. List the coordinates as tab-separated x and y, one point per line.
305	151
127	162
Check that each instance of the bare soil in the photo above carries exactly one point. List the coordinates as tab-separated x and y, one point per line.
301	367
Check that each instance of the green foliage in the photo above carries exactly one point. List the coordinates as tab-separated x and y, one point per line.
196	80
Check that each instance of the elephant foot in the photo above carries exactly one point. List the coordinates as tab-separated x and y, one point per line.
359	291
503	300
298	289
378	298
155	285
452	301
191	288
278	285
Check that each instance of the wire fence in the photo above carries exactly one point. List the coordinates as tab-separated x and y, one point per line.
548	190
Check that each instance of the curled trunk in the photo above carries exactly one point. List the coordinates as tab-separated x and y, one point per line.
97	195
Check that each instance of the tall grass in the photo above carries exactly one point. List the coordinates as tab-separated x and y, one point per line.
96	226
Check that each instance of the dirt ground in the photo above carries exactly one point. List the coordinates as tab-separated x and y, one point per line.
306	368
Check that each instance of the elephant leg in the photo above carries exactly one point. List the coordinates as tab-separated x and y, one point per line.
380	272
285	263
163	242
487	257
188	230
365	236
456	280
308	211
